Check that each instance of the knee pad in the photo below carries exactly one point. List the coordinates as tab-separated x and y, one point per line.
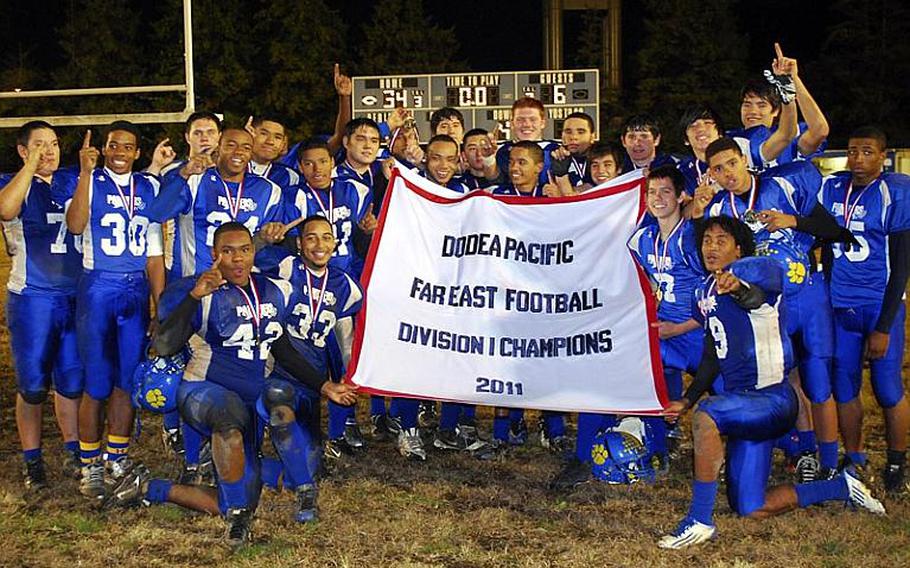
888	395
815	378
232	415
72	395
278	393
34	397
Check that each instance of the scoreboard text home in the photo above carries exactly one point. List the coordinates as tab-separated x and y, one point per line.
485	99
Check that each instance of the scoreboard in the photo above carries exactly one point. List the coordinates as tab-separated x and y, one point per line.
484	99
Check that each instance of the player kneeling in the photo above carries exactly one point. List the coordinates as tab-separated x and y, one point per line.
233	320
746	341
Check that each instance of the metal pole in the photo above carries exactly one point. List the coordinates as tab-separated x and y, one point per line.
552	34
93	91
188	55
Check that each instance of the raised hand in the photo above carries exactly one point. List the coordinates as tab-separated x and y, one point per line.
33	157
561	153
550	189
414	153
703	196
369	223
197	164
397	118
275	232
88	154
343	84
163	155
249	126
783	65
209	281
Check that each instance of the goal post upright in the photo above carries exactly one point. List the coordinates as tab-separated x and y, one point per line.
188	88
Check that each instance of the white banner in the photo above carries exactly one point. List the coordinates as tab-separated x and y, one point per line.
509	301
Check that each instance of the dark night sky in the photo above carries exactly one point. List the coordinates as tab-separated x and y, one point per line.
502	36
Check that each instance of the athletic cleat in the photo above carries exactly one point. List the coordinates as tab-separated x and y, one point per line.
172	438
337	448
380	425
572	474
860	496
518	432
484	450
92	483
238	527
894	478
206	465
35	476
467	431
448	440
856	470
129	489
189	475
410	445
674	442
72	464
807	468
352	434
306	503
689	532
393	423
427	417
561	445
118	470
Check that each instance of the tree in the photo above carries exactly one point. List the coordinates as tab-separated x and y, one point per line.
692	53
401	39
865	67
306	39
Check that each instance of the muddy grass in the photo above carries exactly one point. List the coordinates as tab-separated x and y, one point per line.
379	510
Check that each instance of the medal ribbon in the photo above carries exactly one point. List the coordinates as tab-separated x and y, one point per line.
327	212
752	195
253	304
315	305
663	251
129	205
233	204
849	209
265	172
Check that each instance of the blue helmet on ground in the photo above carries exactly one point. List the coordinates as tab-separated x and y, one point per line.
155	383
623	454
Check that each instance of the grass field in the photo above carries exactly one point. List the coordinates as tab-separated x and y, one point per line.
451	511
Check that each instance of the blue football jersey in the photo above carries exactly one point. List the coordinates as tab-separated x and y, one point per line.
789	189
344	204
317	305
751	139
548	146
753	347
692	170
673	265
119	236
509	189
46	258
472	182
860	273
454	184
231	343
660	159
203	203
282	175
344	170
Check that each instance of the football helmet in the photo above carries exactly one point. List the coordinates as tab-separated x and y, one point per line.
155	383
623	454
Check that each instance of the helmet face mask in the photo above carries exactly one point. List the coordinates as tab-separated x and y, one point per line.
622	455
155	383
